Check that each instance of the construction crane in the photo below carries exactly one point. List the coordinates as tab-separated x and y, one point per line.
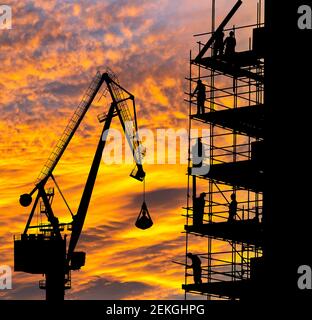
47	252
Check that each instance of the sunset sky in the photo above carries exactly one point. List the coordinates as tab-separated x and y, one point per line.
48	59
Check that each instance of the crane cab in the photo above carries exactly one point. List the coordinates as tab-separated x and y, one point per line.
37	253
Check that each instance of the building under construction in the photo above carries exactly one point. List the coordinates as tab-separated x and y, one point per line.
231	257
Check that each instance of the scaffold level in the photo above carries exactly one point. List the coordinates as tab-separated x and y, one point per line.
245	120
242	231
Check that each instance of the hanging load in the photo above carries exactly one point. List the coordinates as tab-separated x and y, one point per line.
144	220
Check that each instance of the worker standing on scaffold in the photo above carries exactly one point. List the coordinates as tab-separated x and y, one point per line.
201	96
196	265
218	48
199	209
230	44
232	208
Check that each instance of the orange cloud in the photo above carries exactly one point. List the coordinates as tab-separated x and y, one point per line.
48	60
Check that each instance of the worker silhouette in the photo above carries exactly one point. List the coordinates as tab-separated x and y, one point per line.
200	167
218	44
232	208
196	265
198	209
197	153
201	96
230	44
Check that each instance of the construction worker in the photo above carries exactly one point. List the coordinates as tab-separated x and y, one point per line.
230	44
197	153
218	44
232	208
198	209
196	265
201	96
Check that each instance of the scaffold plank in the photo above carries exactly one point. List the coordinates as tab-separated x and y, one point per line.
245	231
232	66
242	174
229	289
247	120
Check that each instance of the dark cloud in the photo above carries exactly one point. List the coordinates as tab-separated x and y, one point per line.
60	88
22	291
102	236
153	258
103	289
111	227
166	198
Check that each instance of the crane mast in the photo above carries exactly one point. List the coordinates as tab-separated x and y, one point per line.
47	252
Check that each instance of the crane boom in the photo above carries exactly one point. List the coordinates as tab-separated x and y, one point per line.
71	128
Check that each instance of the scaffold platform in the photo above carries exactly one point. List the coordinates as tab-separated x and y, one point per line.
241	174
247	231
245	120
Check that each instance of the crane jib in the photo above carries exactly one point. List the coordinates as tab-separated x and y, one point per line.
71	127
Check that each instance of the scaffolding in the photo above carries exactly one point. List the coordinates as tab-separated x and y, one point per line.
234	114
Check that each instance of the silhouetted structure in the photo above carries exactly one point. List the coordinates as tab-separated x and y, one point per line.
198	153
144	220
46	252
196	266
232	208
230	44
200	90
219	44
198	209
234	113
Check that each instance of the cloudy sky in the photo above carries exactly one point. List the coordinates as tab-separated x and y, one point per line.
48	59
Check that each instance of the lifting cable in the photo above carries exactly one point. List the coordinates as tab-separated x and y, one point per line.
144	190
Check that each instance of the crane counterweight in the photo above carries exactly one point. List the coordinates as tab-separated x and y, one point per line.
25	200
